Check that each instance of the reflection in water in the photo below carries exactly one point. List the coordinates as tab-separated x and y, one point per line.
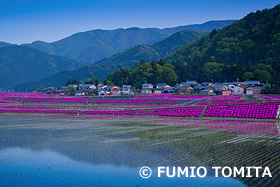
24	167
60	150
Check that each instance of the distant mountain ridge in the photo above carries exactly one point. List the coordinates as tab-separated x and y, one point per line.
19	64
127	58
4	44
149	53
91	46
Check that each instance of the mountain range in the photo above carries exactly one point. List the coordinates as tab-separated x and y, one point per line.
248	49
92	46
19	64
89	46
127	58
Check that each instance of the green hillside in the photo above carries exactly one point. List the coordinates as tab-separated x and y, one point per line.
19	64
176	41
247	49
91	46
127	58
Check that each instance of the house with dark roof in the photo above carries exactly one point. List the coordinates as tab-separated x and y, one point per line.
207	92
147	88
222	92
100	87
86	86
189	83
162	86
207	84
253	83
219	86
147	85
50	90
198	88
81	92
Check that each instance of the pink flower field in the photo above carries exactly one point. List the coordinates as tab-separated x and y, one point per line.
265	107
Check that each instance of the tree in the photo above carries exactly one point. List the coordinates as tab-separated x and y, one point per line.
142	62
248	76
168	75
213	70
71	91
74	81
96	82
184	91
68	82
262	75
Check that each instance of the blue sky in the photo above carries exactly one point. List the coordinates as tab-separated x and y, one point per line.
25	21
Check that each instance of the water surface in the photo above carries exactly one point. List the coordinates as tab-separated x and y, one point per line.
37	151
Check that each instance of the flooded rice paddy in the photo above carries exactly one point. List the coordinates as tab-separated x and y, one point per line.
109	151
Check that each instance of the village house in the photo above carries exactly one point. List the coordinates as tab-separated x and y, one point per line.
100	87
72	85
49	90
127	90
81	92
147	88
235	90
222	92
219	86
86	86
207	84
162	86
252	83
85	89
189	83
198	88
63	89
207	92
221	89
254	90
171	90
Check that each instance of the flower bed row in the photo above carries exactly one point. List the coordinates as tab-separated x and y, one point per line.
259	111
242	127
179	112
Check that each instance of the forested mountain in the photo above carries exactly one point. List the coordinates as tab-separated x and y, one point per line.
127	58
92	46
19	64
246	50
149	53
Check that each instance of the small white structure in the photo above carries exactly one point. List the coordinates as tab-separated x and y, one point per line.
146	91
126	89
86	86
163	86
147	85
102	93
101	87
235	90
